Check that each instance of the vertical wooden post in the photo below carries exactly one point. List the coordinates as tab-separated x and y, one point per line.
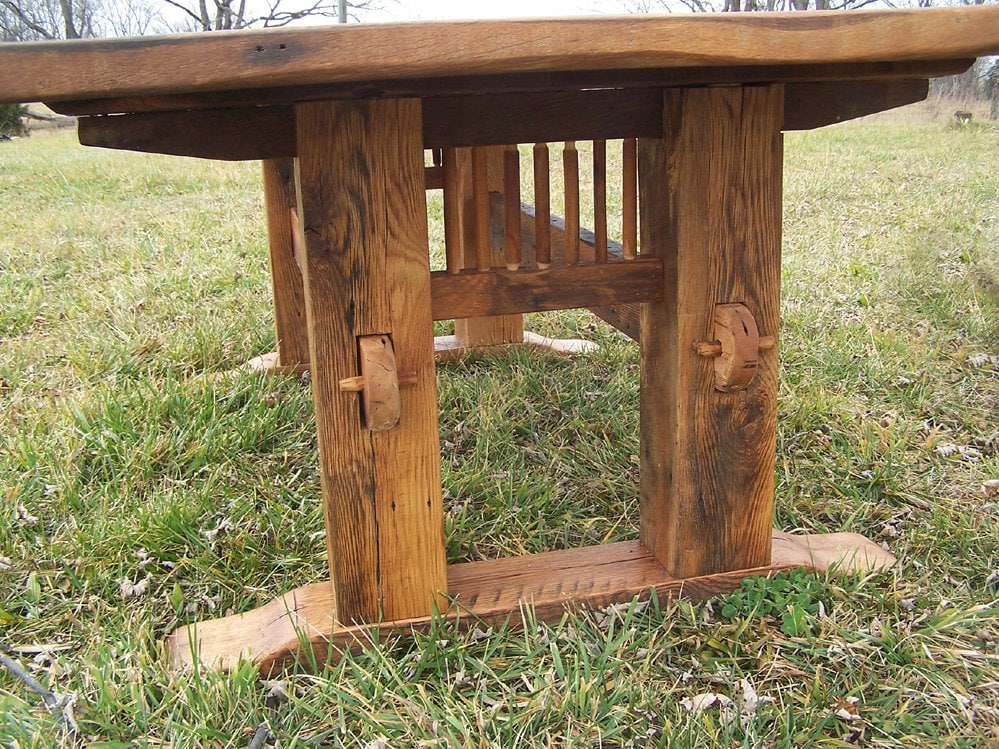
280	198
483	331
363	208
711	209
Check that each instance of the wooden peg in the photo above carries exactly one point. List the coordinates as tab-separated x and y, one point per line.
735	348
378	382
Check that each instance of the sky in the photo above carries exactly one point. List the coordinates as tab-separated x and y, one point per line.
432	10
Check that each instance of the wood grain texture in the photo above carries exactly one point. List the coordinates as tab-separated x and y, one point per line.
281	199
484	332
278	58
502	292
532	117
457	175
557	227
622	315
363	208
480	201
570	181
629	198
600	200
511	218
516	83
269	132
711	209
542	205
381	405
493	592
625	317
817	104
223	134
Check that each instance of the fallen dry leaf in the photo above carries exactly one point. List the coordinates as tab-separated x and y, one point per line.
24	517
846	708
128	589
701	702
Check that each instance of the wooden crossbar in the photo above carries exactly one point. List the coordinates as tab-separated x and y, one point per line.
498	291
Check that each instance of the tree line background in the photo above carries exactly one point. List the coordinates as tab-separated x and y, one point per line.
41	20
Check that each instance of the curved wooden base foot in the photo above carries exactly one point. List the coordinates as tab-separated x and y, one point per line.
446	348
301	625
449	347
270	364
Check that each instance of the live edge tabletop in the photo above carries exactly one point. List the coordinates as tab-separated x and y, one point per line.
341	117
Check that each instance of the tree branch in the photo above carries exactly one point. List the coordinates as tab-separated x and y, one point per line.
63	703
25	19
188	11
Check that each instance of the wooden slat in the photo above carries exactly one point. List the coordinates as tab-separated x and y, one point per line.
570	172
511	191
483	332
542	204
480	200
281	203
558	229
494	592
271	59
503	292
366	273
629	198
622	315
455	188
600	201
711	195
269	132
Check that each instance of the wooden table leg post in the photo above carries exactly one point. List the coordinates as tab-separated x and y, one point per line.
363	208
281	201
711	209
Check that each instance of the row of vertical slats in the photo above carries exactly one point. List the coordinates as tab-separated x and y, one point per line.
542	197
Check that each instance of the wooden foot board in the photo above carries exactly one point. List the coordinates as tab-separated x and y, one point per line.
276	635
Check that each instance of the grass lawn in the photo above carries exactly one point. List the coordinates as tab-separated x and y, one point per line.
144	485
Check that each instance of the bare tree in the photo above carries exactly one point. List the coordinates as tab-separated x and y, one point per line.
224	15
33	20
729	6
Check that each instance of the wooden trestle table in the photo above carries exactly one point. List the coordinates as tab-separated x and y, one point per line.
342	116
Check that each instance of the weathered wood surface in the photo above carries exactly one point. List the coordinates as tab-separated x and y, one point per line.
711	206
276	58
488	119
541	117
366	274
492	592
622	315
812	105
476	246
281	202
502	292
